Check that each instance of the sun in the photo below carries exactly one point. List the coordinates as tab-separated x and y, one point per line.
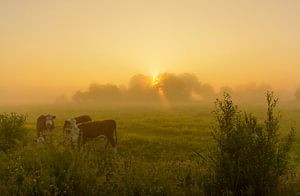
155	79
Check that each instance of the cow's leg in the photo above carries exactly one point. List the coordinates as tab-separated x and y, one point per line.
107	143
113	143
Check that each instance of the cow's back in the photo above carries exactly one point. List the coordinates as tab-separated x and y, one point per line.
83	119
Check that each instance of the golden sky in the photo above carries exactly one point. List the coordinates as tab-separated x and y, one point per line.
49	48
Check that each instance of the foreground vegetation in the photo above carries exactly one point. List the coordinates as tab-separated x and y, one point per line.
161	152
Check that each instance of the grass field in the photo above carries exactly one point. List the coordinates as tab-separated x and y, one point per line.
157	151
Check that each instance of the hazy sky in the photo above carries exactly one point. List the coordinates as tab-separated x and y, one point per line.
49	48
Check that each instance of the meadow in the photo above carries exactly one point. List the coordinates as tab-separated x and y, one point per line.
161	151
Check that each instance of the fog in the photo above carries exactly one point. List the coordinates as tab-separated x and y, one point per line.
164	89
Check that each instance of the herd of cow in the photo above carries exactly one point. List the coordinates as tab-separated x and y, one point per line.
78	130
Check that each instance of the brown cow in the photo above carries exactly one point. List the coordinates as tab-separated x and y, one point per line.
44	126
94	129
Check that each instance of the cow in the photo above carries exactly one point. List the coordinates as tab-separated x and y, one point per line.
68	125
44	127
91	130
107	128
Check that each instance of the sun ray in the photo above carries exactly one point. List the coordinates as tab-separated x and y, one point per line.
156	83
155	79
162	97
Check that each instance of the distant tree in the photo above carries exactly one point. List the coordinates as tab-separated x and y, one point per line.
297	93
99	93
61	99
140	90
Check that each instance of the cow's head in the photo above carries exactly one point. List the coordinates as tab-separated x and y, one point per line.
69	124
71	130
49	121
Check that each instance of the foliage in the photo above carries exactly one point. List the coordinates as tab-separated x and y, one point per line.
156	155
249	158
12	130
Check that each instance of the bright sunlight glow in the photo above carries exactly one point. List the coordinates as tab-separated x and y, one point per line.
155	79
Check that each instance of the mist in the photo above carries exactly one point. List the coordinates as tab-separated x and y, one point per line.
164	89
170	89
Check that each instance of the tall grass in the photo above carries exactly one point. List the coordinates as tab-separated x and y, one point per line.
93	171
155	154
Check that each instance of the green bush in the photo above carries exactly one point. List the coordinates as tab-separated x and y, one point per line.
250	157
12	130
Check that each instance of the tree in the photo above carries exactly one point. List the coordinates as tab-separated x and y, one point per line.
249	157
297	94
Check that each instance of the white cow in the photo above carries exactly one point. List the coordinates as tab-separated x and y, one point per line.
71	131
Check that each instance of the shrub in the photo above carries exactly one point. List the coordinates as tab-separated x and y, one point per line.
12	130
249	158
